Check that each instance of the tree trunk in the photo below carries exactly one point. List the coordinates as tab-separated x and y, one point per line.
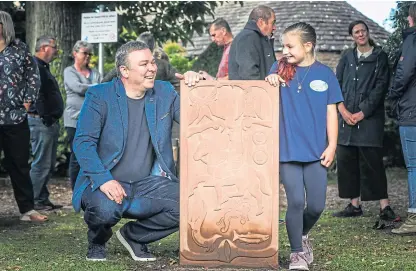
59	19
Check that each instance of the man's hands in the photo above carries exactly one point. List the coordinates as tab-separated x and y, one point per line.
114	191
190	77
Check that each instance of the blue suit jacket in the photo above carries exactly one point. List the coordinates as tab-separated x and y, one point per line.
101	132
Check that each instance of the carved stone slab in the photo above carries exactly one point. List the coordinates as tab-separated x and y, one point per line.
229	174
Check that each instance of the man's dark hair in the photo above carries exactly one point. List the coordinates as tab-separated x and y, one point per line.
261	12
221	22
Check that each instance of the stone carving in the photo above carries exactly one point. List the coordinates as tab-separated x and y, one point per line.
229	174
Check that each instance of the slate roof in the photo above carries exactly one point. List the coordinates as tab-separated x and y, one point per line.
329	18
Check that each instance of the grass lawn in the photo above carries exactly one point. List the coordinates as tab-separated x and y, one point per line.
340	244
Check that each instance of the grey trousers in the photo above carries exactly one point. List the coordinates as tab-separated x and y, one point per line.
300	179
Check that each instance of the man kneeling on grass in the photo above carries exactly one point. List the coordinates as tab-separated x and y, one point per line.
123	145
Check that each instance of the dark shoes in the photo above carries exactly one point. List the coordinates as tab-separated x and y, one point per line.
387	219
47	206
388	214
138	252
349	211
96	253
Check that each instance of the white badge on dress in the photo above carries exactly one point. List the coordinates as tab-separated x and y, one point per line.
318	85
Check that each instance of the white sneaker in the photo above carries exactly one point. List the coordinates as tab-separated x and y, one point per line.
298	261
307	248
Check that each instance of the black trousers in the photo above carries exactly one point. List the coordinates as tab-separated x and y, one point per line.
15	142
361	173
73	162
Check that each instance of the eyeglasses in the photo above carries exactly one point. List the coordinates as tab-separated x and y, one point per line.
85	53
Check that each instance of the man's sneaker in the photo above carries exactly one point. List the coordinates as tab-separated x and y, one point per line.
388	214
96	253
307	249
349	211
387	219
408	227
298	261
138	252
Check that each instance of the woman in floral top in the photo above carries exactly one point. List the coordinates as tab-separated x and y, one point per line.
19	85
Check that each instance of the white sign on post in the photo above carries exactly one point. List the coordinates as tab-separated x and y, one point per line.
99	27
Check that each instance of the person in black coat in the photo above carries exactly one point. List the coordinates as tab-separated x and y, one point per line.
363	74
252	52
403	98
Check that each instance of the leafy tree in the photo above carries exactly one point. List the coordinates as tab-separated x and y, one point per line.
167	20
177	56
399	18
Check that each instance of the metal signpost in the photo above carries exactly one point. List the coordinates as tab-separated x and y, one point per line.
99	28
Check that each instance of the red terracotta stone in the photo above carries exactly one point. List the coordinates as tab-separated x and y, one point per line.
229	174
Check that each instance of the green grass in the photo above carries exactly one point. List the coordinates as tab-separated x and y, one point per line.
340	244
351	244
61	245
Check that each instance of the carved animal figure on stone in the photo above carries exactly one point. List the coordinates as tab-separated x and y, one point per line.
195	222
240	211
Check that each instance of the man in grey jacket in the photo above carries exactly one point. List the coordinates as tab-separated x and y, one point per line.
252	54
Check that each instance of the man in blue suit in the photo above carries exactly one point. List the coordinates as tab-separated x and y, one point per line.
123	145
